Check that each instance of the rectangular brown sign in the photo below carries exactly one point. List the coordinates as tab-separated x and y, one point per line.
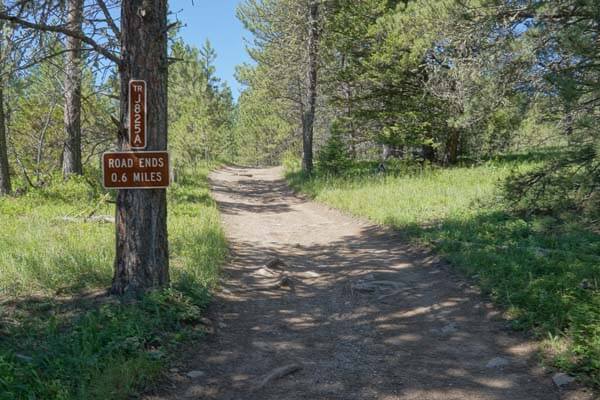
137	114
136	170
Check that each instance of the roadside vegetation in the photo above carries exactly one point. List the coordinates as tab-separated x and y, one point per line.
543	269
61	336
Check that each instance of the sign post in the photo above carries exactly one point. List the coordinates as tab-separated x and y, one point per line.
136	169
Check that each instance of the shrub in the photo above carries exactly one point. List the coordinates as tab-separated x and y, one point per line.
333	158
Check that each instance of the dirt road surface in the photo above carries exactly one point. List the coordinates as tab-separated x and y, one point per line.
355	313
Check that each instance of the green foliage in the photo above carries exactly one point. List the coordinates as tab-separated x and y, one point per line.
542	269
333	158
261	134
36	126
569	182
62	338
105	352
200	108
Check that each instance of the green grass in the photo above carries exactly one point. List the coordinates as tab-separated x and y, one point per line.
545	270
60	338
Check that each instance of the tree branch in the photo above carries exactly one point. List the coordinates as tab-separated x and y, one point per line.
109	20
61	29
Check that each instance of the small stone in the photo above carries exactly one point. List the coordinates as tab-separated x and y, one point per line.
450	328
561	379
497	362
222	325
174	370
194	374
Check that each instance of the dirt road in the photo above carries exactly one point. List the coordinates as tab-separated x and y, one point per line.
355	313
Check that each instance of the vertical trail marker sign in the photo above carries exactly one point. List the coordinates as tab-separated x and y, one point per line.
136	169
137	114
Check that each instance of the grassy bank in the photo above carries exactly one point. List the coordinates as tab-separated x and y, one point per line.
545	271
60	336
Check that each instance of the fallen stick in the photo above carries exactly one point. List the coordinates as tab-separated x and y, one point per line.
278	373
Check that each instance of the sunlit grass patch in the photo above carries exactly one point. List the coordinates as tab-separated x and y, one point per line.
55	342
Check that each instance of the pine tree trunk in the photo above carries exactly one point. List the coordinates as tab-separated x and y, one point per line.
72	110
142	257
308	117
5	185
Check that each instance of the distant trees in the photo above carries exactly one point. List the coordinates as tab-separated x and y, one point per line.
201	107
439	80
286	48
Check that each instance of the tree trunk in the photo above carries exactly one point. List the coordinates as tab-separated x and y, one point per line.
72	110
5	185
142	257
452	144
308	117
347	90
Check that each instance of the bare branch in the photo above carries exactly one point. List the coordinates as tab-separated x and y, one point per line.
109	19
61	29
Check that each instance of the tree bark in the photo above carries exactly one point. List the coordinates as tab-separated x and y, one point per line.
142	257
452	145
5	184
308	117
72	110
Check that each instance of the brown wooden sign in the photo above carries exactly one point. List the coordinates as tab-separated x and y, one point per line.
136	170
137	114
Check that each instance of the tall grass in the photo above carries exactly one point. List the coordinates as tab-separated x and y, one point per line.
545	270
55	343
